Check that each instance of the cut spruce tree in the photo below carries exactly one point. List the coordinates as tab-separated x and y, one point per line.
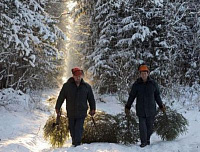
170	125
100	128
124	129
56	131
127	128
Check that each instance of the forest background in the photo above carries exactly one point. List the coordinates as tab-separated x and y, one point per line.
40	41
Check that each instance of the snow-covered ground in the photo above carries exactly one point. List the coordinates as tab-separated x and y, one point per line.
22	131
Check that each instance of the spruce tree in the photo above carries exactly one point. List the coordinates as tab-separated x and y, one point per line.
27	43
170	125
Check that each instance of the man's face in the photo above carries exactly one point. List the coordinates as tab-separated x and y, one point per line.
78	78
144	75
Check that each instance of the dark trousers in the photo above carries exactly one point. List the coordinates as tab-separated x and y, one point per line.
76	130
146	128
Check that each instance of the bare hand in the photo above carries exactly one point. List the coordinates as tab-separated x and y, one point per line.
92	112
127	111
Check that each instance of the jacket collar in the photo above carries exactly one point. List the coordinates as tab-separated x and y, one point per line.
139	80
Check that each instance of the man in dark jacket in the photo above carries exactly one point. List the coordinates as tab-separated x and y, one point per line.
147	94
78	94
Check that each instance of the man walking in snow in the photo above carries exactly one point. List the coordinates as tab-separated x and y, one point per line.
147	94
78	94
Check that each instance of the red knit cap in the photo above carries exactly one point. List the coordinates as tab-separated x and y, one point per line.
77	71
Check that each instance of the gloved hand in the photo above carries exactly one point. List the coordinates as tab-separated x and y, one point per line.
92	112
127	111
163	108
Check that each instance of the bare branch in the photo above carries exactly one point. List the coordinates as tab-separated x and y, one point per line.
65	13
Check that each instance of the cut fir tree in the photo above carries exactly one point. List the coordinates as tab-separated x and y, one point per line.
127	128
100	128
56	130
170	125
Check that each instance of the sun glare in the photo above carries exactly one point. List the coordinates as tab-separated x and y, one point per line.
70	27
71	5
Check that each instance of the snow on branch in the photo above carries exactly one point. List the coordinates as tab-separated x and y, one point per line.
28	36
29	27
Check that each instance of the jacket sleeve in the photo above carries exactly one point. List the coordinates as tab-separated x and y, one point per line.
132	96
91	99
157	96
61	98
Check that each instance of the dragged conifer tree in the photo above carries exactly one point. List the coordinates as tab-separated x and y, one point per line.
127	129
100	128
170	125
113	129
122	129
56	131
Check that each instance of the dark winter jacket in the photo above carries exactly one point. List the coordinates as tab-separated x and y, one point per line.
76	98
147	94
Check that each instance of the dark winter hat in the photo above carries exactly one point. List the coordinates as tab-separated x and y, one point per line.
77	71
143	68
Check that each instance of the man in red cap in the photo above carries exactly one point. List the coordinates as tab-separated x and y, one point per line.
147	94
77	94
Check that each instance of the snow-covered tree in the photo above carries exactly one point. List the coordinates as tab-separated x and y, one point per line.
182	27
126	38
124	34
102	65
28	37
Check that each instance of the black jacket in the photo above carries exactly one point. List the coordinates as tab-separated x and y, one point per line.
147	95
76	98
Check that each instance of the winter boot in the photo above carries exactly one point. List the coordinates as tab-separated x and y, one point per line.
143	145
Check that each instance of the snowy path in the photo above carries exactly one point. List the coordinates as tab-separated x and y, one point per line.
23	132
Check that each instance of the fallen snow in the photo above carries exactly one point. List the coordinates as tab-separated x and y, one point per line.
22	131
